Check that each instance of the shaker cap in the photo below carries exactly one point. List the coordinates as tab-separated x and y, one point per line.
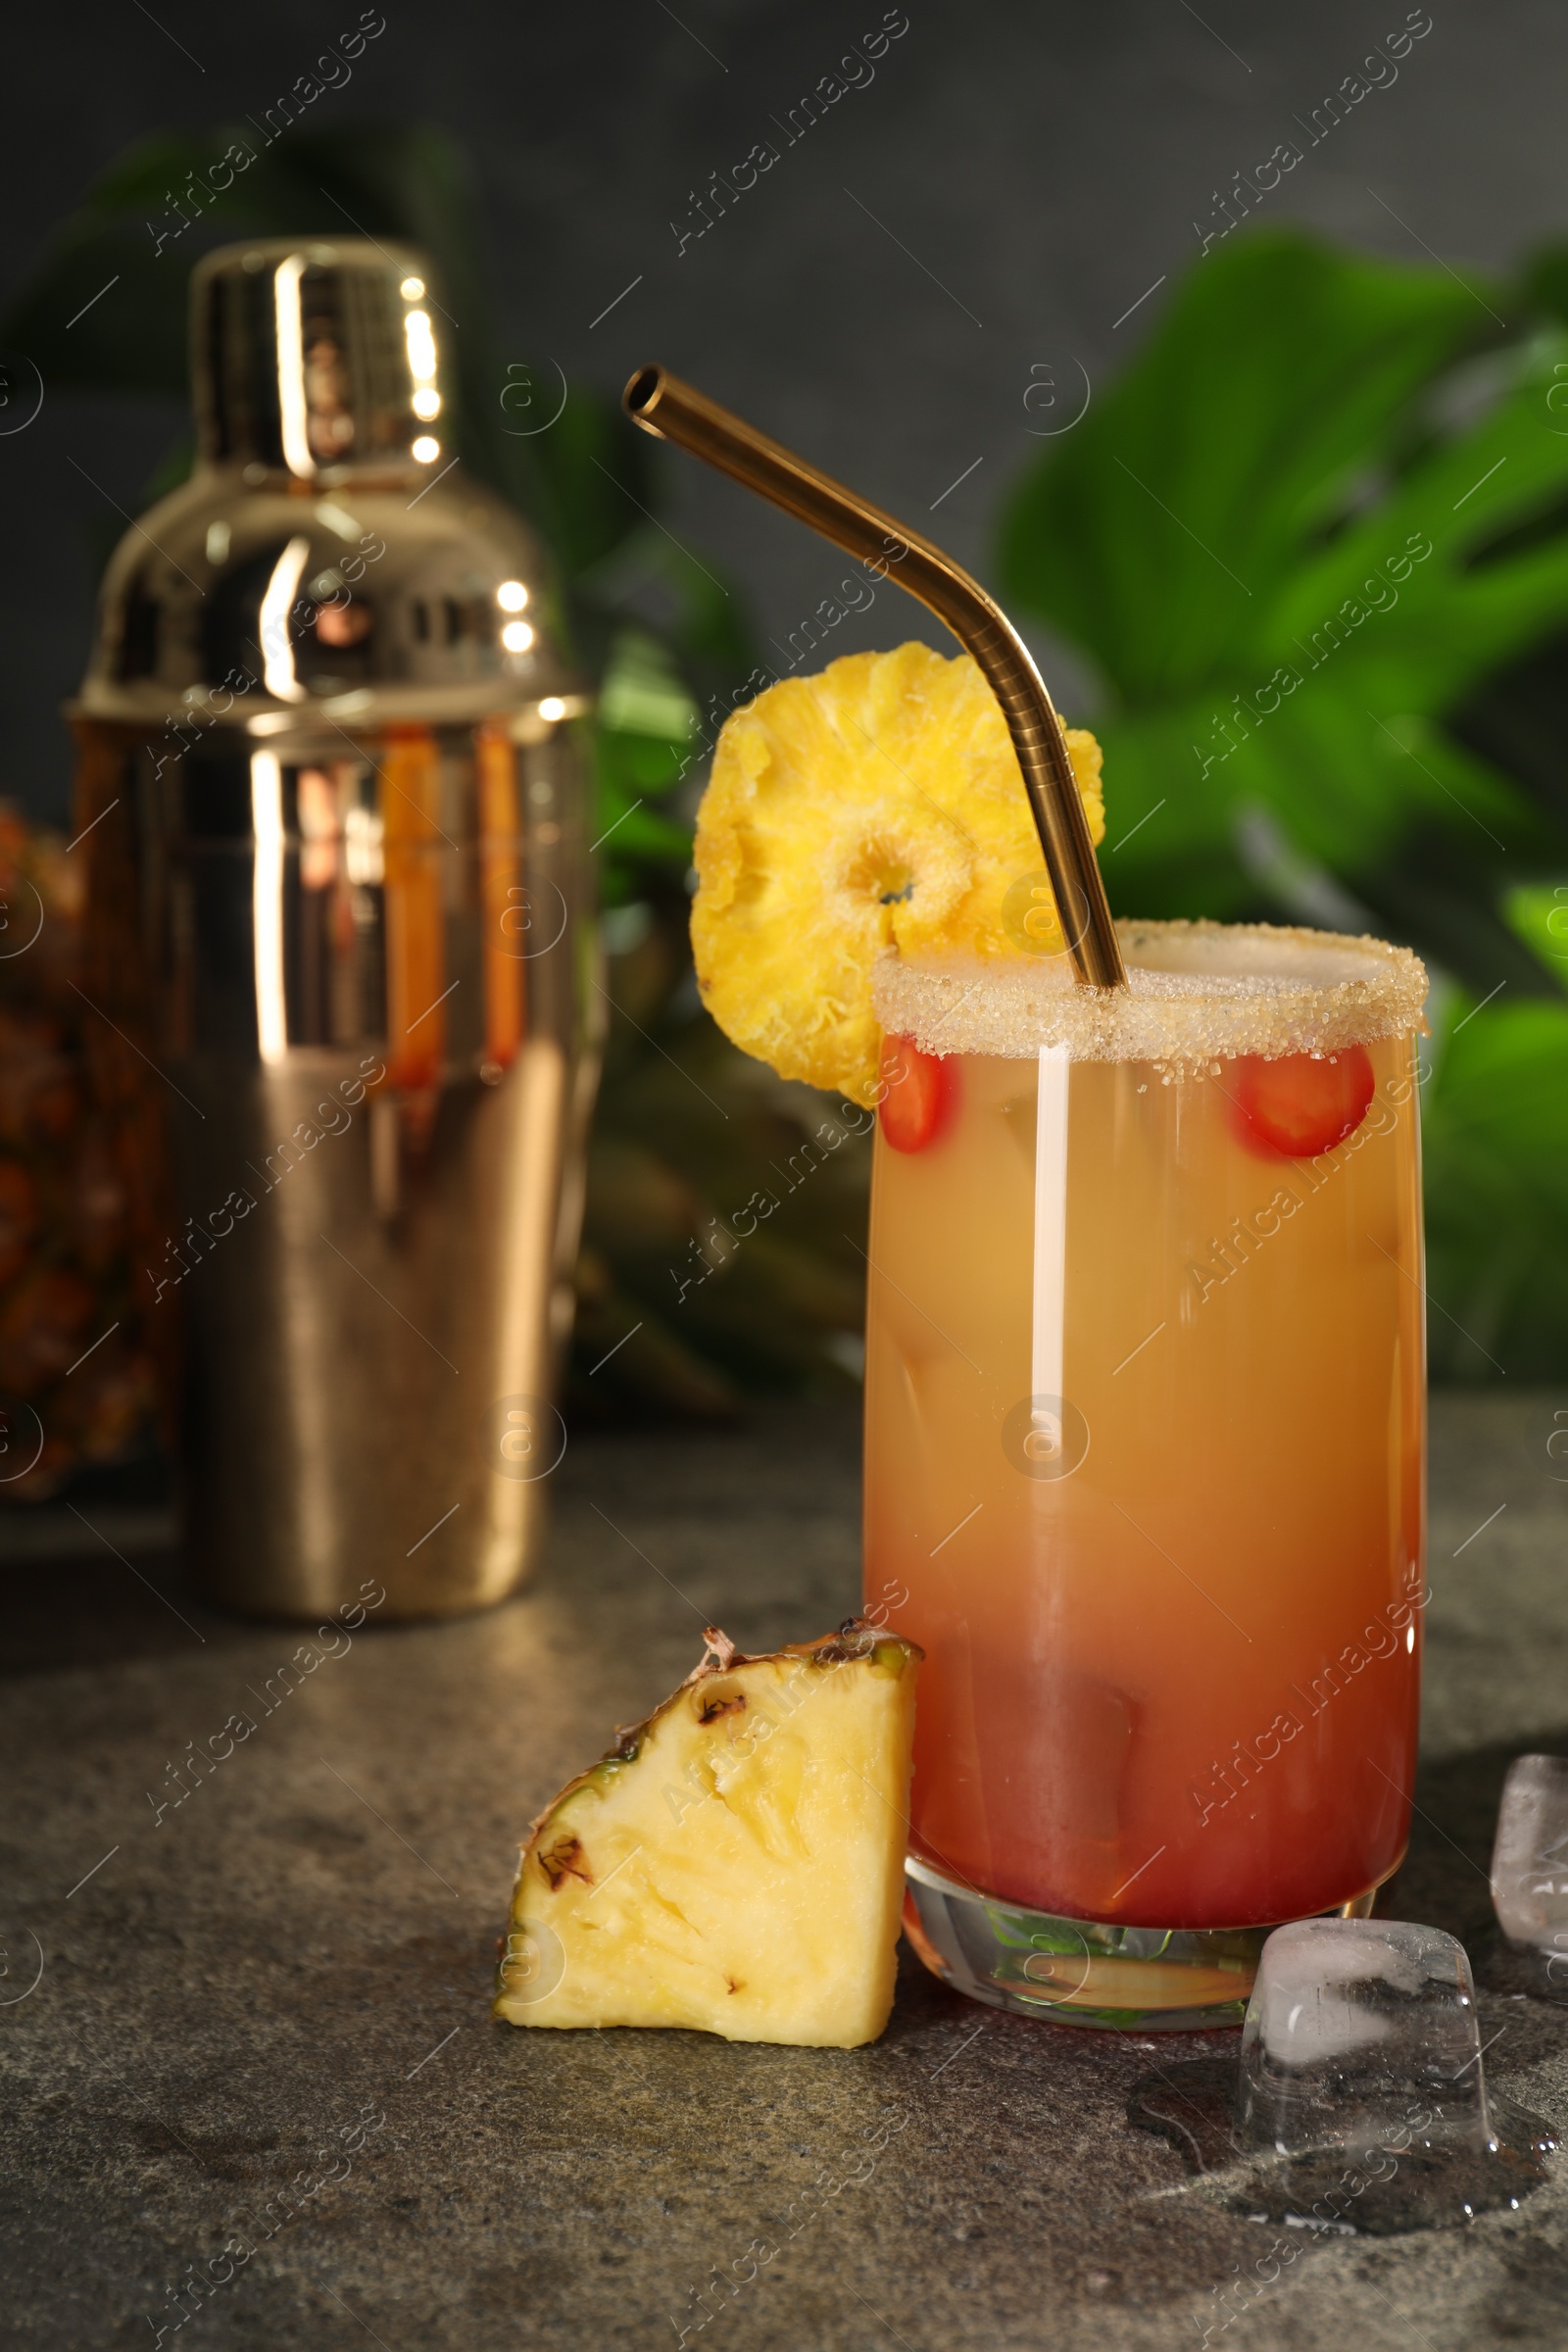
329	561
317	359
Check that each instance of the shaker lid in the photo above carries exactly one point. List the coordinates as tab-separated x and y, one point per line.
317	359
329	559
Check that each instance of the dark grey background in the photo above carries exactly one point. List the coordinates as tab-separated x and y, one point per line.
1031	168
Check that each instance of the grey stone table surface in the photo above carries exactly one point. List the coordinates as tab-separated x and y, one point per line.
264	2008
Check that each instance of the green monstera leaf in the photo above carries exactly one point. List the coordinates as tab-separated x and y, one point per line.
1290	574
1315	544
1495	1145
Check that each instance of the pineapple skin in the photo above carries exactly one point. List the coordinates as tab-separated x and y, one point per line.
876	805
735	1864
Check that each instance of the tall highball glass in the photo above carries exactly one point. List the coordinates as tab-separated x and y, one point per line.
1144	1455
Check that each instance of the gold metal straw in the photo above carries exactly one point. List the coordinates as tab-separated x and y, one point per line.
672	410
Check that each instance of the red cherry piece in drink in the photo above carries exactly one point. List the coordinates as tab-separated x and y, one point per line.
1301	1104
920	1094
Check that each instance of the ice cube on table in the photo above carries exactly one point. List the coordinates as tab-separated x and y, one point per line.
1530	1858
1362	2034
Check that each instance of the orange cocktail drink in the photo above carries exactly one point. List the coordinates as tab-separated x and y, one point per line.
1144	1432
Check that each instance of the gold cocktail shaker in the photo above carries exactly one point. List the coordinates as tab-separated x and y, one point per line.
339	912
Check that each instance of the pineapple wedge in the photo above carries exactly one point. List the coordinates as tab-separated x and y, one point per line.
736	1862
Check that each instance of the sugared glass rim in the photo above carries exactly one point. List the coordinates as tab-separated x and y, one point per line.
1197	992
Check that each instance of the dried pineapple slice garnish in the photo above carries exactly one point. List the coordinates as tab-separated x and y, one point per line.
877	804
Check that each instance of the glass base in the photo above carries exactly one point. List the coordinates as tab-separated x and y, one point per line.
1125	1979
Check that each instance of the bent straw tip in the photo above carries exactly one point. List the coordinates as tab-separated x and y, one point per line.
640	396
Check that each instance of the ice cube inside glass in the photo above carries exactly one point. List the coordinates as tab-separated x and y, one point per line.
1362	2034
1530	1858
